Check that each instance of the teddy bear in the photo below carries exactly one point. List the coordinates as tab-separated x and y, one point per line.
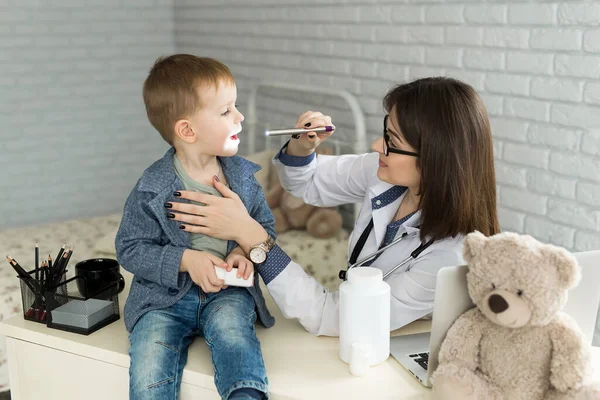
515	344
291	212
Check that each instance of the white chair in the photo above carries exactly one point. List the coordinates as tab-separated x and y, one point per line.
584	299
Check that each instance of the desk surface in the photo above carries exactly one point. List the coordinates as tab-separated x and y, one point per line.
299	365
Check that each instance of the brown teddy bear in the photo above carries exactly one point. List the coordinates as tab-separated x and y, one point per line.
515	344
292	213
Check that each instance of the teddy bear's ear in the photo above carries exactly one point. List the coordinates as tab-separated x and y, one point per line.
473	245
569	271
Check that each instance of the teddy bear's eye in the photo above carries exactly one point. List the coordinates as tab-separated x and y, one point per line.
519	292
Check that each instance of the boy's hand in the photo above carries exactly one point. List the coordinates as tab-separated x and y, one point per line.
200	265
244	266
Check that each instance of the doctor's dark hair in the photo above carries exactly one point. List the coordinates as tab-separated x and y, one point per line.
445	121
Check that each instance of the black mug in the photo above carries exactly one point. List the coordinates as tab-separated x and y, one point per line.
99	278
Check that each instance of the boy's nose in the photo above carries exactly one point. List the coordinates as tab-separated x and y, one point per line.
241	117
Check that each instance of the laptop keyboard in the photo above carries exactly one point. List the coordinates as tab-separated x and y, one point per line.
420	358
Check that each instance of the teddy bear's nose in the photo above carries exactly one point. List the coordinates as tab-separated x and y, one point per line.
497	303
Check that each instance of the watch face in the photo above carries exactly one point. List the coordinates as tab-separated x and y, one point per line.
258	255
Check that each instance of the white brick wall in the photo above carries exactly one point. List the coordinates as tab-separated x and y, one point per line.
535	65
74	137
73	133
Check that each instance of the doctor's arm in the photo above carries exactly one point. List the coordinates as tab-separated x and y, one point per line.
297	294
324	180
300	296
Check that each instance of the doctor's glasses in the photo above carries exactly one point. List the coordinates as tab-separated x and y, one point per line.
386	143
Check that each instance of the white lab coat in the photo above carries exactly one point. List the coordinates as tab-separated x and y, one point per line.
333	180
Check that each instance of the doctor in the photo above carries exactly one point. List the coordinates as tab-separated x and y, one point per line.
430	179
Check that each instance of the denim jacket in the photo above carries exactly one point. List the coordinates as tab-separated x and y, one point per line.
150	246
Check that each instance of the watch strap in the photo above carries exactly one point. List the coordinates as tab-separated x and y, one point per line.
266	245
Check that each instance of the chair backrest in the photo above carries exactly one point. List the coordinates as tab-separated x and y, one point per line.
584	299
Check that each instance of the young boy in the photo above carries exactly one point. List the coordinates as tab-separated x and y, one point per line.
175	294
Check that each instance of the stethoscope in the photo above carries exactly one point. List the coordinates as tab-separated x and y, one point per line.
352	263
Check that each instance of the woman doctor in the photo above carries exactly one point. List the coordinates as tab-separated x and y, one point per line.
430	178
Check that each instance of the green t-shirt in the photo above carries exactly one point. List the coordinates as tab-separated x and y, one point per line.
198	241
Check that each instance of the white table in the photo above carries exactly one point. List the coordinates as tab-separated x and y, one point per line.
50	364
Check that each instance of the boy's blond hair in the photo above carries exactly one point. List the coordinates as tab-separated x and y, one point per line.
171	88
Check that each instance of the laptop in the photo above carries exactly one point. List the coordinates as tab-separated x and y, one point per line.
418	353
582	304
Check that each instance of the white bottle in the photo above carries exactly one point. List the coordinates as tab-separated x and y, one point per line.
364	319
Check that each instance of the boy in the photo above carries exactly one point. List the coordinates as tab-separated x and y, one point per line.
175	294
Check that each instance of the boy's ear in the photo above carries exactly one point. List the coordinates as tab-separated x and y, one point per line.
183	130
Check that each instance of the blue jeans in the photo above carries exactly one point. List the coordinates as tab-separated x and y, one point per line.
160	340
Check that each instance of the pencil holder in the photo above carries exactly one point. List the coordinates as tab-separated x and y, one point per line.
78	314
33	297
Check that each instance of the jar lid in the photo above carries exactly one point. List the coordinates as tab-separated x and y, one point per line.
365	276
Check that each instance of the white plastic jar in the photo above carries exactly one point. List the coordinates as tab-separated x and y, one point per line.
364	319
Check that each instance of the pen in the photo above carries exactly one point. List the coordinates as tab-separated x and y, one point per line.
297	131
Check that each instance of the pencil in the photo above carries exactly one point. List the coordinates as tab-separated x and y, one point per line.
60	260
68	257
60	270
60	253
37	261
58	266
17	267
39	302
63	267
49	266
25	277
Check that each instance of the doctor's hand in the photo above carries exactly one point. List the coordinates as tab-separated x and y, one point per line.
307	142
220	217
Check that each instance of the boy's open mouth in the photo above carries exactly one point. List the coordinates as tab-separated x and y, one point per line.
233	137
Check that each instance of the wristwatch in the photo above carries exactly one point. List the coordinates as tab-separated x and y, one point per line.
258	252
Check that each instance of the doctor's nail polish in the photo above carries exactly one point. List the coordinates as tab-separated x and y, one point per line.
307	124
168	205
171	215
216	178
177	194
